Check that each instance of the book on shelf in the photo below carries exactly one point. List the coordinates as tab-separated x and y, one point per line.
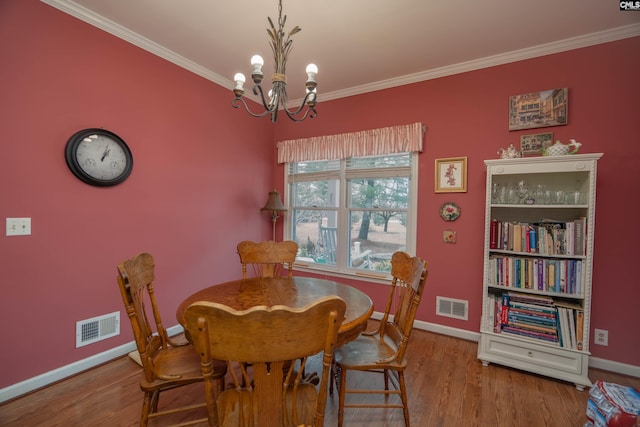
493	234
542	318
541	273
562	276
533	239
580	330
517	238
550	330
572	327
530	322
497	321
543	300
579	278
551	277
551	339
504	309
580	227
543	309
563	327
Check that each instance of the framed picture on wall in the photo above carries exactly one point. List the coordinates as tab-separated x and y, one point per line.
451	175
532	145
538	109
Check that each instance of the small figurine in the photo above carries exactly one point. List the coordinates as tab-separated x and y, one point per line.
509	153
560	149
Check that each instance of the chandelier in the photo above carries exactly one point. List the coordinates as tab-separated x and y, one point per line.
277	97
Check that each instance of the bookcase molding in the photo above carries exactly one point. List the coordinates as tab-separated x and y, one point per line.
538	260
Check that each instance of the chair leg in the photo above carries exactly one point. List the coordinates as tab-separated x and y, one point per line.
211	391
342	388
147	405
403	396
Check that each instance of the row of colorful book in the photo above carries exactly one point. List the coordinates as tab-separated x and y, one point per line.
539	317
542	274
544	237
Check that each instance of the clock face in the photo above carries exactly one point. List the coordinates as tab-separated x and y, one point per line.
99	157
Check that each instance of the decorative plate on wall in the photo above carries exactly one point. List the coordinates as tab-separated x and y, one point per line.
449	211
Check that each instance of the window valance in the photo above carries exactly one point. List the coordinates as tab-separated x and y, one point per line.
374	142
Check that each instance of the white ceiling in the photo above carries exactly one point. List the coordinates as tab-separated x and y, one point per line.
358	45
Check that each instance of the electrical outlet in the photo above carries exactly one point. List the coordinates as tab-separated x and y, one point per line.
18	226
601	337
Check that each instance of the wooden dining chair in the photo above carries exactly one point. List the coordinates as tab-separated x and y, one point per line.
268	338
267	258
383	350
166	364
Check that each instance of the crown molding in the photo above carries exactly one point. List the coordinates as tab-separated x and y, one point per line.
572	43
90	17
614	34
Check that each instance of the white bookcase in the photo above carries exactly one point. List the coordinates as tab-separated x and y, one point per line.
526	198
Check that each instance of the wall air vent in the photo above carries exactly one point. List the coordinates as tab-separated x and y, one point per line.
97	329
449	307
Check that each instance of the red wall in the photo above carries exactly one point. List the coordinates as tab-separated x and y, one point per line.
202	171
466	115
196	188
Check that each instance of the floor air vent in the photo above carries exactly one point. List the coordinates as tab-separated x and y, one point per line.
97	329
449	307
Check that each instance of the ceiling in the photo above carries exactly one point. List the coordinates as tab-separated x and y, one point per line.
358	45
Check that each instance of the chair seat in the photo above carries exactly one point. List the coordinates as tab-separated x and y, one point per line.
179	364
366	352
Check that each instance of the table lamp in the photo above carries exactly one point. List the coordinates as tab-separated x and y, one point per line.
274	205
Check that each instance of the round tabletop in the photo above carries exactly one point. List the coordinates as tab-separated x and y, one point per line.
294	292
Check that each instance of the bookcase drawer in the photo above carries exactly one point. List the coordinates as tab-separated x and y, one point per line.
523	354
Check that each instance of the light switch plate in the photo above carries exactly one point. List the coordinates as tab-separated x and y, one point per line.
18	226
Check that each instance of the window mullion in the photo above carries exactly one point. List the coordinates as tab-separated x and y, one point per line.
343	218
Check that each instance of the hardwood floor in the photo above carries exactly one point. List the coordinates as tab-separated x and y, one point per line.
447	386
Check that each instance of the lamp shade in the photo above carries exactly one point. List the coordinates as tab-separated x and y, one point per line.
274	203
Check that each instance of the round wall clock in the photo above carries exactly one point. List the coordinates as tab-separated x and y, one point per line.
99	157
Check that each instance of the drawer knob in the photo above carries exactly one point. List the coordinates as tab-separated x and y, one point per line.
530	354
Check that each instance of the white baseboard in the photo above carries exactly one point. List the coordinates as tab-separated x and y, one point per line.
617	367
63	372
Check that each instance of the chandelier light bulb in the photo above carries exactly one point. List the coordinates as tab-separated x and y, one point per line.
312	70
257	62
239	89
240	79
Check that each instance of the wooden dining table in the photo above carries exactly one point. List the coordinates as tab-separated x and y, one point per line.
296	292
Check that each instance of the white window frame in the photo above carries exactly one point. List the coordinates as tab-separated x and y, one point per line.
341	268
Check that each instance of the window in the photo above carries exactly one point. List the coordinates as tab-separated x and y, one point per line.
350	215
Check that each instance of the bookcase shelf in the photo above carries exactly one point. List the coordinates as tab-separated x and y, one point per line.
538	257
536	292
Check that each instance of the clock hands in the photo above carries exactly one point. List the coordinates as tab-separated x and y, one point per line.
107	150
